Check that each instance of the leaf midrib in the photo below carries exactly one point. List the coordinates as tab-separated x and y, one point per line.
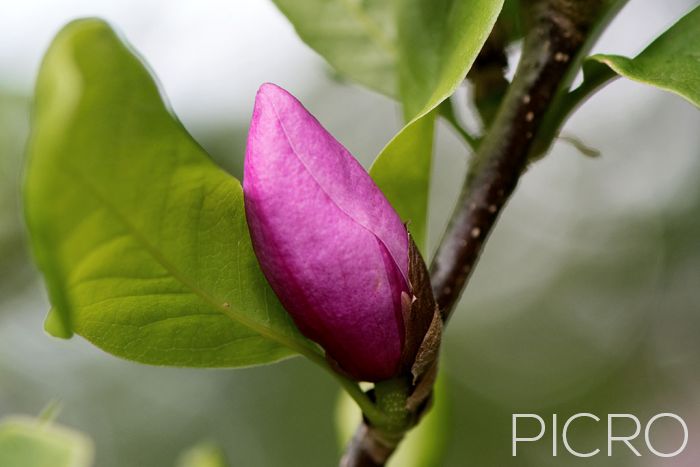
182	278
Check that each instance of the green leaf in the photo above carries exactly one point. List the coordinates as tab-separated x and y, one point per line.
402	171
671	62
356	37
25	442
423	446
141	238
438	43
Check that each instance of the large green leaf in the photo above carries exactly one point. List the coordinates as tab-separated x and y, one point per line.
671	62
402	171
25	442
438	43
141	238
357	37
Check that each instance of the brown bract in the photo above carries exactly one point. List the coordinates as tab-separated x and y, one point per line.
423	330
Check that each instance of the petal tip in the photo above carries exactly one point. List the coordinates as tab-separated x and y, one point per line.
273	92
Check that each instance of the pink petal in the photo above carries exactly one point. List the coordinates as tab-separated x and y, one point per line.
328	241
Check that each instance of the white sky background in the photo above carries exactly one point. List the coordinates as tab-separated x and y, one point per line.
210	55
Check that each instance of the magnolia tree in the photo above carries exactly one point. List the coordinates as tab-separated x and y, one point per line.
154	254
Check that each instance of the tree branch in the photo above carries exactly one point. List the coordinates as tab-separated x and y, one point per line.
557	33
369	448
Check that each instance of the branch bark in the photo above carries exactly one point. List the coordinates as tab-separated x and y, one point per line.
558	31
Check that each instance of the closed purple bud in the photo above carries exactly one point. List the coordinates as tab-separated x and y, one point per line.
332	247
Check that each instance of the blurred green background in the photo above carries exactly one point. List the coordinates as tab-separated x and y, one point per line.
586	298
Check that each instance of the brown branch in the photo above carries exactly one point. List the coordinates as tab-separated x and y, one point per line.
368	448
557	33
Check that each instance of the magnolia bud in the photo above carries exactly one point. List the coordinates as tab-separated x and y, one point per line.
332	247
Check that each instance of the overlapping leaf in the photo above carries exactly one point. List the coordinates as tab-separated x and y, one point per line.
356	37
141	238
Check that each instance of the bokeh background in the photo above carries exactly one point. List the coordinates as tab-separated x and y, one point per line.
586	299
